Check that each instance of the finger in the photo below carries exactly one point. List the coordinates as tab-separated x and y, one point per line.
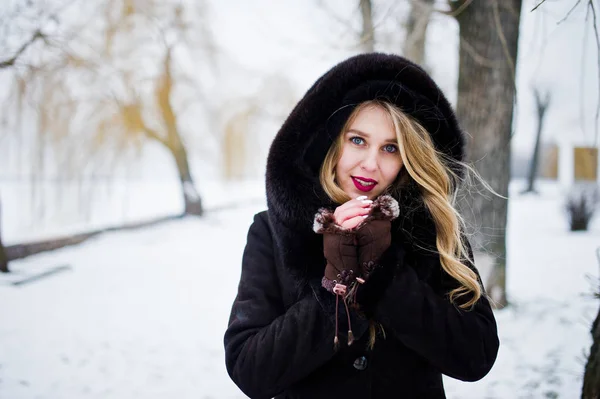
350	213
353	222
351	207
354	203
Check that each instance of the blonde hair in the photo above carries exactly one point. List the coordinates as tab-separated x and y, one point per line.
430	169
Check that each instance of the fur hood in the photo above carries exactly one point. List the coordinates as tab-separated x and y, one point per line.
294	193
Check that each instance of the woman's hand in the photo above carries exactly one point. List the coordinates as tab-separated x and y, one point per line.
350	214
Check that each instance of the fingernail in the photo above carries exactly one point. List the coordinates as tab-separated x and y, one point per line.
362	197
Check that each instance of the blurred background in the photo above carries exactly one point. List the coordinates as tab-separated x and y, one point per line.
133	144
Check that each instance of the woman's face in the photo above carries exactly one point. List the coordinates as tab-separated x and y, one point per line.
370	159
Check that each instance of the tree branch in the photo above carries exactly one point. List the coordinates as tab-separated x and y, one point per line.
569	13
11	61
153	134
590	8
163	94
332	14
542	103
455	9
539	4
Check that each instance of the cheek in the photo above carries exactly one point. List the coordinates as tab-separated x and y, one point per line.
391	168
344	162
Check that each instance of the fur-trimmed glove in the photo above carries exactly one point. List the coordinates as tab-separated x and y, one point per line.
341	271
373	236
352	254
340	250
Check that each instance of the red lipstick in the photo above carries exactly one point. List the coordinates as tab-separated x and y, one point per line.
364	184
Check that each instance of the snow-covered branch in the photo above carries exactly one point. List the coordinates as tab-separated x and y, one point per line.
37	35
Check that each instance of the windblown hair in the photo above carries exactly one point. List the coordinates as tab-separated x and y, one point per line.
437	182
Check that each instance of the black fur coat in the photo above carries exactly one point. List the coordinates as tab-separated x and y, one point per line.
279	342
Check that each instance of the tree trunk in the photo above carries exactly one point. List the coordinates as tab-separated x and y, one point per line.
367	37
193	202
591	378
542	106
174	142
3	257
489	32
416	30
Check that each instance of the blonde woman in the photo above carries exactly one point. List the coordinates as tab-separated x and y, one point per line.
358	282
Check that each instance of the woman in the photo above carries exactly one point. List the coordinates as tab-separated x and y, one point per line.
357	281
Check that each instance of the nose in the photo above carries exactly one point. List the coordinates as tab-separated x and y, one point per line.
369	162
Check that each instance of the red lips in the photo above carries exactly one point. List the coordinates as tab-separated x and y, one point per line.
365	179
360	184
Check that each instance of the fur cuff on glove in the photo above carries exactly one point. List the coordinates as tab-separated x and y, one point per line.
385	207
325	224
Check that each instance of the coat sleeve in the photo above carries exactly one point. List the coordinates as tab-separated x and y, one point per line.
269	348
462	344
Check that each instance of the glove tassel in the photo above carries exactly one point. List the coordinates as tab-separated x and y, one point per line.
350	335
336	340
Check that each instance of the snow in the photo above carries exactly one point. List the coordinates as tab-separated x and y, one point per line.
551	277
47	209
142	313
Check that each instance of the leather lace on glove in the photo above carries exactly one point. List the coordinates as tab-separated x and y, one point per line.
352	254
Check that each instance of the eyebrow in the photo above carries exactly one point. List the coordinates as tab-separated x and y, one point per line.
368	136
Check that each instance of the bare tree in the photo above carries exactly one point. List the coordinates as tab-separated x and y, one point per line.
541	107
416	30
581	207
591	378
173	141
123	84
11	61
367	37
3	258
356	38
591	10
489	32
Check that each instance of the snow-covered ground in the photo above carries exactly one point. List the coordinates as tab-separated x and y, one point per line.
32	212
142	314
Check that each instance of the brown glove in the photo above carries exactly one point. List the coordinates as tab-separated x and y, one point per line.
374	236
339	248
373	239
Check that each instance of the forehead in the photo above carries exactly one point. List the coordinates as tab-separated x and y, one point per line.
375	122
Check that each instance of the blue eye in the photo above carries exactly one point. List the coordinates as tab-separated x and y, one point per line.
390	148
357	140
